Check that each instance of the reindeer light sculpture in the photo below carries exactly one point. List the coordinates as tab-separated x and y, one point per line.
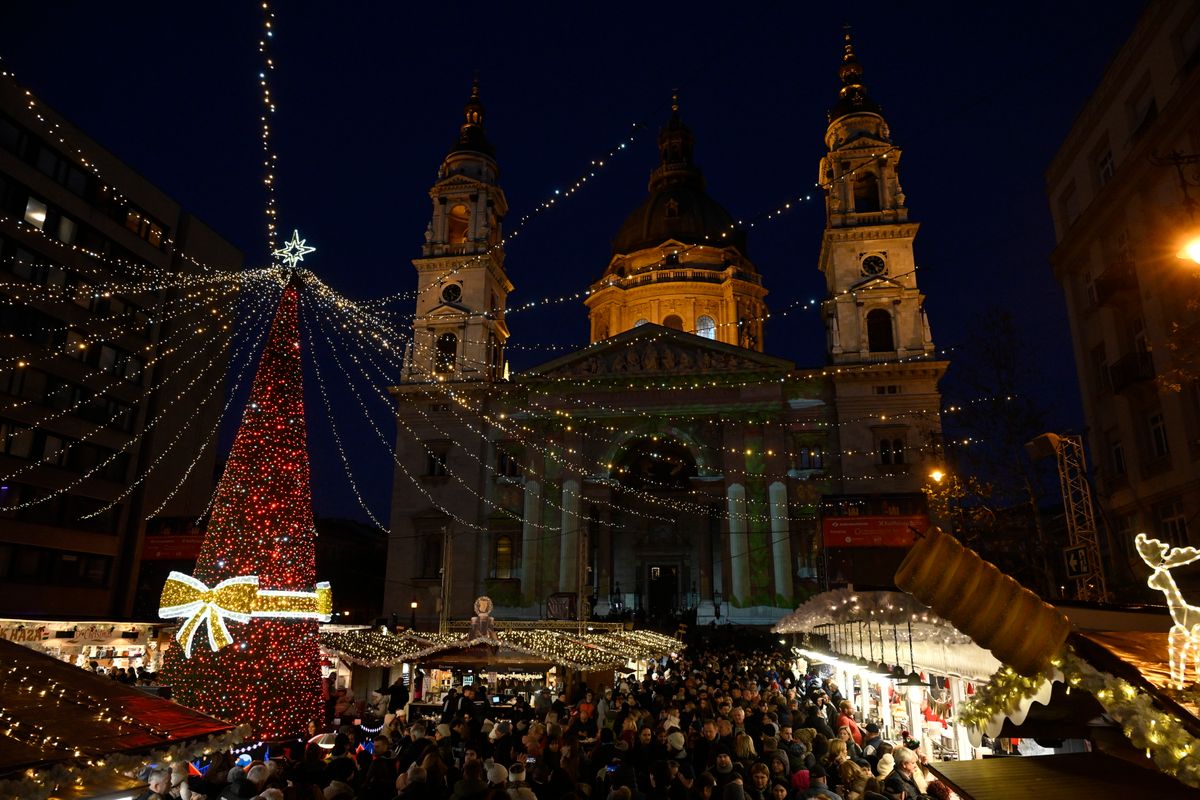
1184	638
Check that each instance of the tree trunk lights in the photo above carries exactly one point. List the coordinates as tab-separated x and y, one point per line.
254	591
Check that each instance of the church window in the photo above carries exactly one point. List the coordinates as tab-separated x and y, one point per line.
431	555
866	193
435	459
456	231
879	332
674	322
447	353
706	326
503	558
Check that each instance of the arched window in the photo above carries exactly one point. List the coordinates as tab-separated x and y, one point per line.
707	327
866	193
879	332
447	353
456	229
674	322
502	557
640	322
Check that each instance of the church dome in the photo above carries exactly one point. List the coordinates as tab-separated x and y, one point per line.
678	207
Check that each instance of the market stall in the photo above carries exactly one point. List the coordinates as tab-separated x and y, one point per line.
108	645
71	732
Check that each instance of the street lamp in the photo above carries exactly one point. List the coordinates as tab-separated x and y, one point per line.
1190	246
412	622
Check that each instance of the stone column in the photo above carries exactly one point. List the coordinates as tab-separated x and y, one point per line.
604	561
530	544
739	556
781	539
568	554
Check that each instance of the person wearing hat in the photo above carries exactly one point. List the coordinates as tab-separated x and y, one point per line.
871	742
724	770
497	777
818	785
518	785
887	763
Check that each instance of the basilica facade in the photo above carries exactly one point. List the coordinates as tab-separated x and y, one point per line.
673	466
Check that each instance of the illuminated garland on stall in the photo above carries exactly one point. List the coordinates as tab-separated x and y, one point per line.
1165	739
79	776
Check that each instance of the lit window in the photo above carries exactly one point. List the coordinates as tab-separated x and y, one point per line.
35	213
66	230
504	557
707	327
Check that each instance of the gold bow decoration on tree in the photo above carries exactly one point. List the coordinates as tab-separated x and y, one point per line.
234	600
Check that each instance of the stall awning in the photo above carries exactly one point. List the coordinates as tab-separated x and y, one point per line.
60	713
1079	776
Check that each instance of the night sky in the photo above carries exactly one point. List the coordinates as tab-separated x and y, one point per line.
370	97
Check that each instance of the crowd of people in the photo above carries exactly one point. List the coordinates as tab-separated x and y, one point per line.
709	725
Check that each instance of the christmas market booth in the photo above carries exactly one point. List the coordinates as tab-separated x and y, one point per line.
1115	711
109	645
71	733
515	658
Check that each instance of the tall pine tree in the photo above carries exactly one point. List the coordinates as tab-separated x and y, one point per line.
260	664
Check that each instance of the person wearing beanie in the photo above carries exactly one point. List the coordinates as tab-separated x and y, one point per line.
518	785
497	776
780	790
887	762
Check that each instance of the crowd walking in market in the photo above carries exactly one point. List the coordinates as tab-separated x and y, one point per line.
711	725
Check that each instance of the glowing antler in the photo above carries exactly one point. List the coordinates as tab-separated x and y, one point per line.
1152	551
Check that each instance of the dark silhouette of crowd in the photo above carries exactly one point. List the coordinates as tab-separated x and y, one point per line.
712	725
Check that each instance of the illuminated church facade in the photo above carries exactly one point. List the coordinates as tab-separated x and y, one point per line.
673	466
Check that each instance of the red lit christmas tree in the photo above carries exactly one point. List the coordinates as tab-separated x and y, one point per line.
254	595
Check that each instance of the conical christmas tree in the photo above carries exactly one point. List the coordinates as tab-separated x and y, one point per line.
254	595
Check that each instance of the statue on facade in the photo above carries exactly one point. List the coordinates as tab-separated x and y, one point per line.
482	624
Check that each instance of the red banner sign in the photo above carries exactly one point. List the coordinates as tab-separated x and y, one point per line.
883	531
172	547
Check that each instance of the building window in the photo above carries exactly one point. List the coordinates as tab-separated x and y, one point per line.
435	459
35	213
457	224
866	193
1117	452
446	354
812	458
891	451
674	322
640	323
1100	366
1172	523
503	558
706	326
508	465
879	331
1105	167
1068	205
1159	446
431	555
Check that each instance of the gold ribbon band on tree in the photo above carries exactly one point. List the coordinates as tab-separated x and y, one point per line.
235	600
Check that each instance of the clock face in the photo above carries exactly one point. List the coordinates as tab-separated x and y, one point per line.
452	293
874	265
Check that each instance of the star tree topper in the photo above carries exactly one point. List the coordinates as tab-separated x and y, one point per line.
295	251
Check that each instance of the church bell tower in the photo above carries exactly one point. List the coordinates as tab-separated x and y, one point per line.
458	329
873	310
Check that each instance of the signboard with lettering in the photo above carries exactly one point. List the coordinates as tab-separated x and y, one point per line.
872	531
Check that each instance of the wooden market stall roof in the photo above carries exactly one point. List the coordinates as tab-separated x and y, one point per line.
587	652
1075	776
57	712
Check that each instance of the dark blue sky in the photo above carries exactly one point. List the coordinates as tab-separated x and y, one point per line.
370	94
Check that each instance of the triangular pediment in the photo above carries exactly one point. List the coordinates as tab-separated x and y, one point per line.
876	282
655	350
863	139
457	182
448	309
